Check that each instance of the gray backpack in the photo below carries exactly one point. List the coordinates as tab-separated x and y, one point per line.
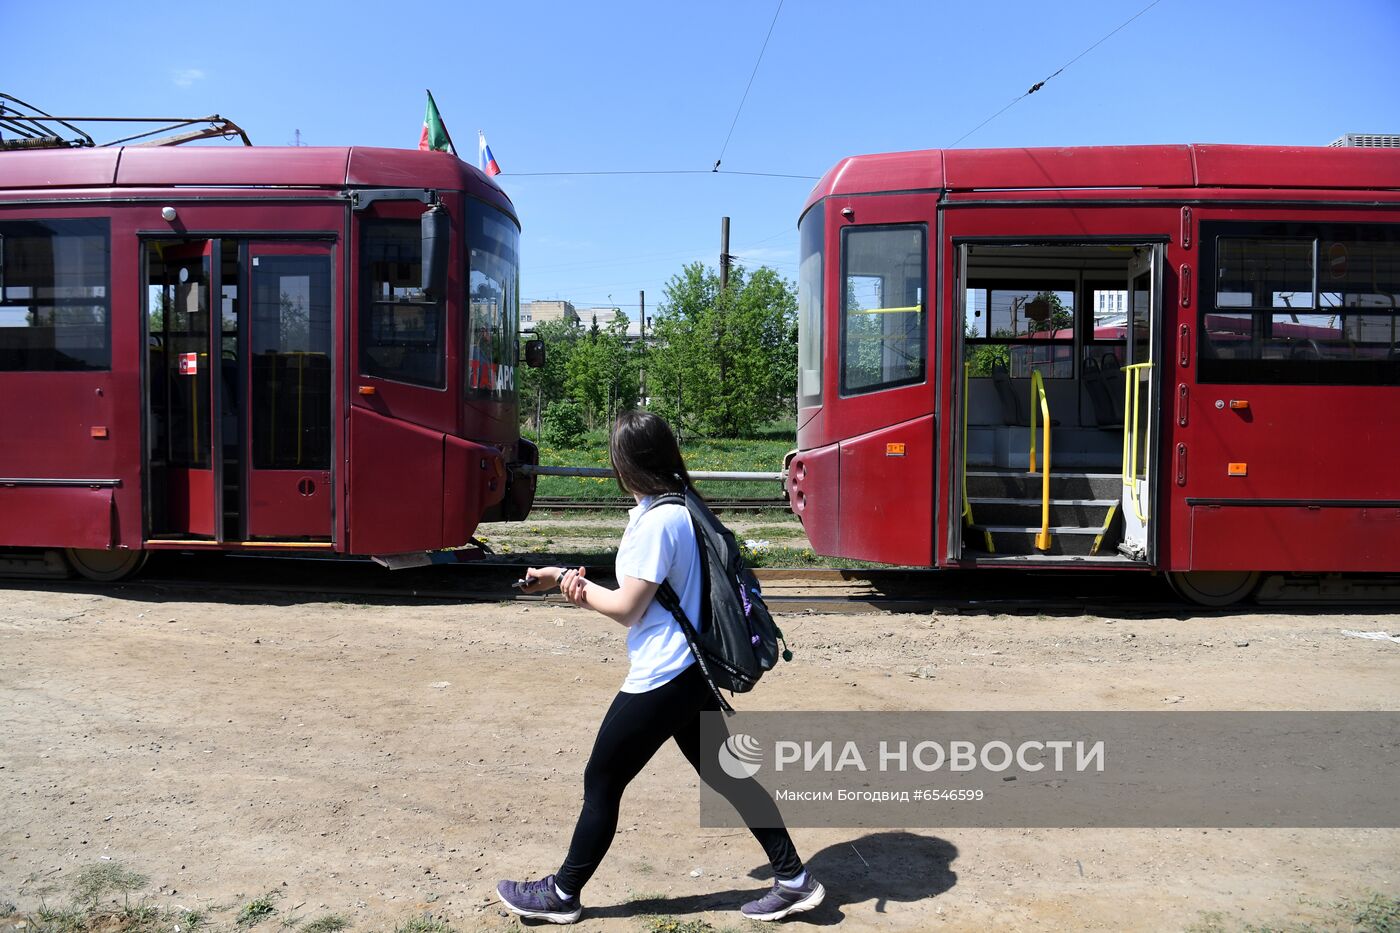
735	639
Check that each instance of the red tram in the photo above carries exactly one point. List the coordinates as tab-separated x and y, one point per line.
1172	358
293	349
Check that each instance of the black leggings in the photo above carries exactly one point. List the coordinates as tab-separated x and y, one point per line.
636	725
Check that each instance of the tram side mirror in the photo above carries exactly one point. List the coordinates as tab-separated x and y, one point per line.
534	353
435	231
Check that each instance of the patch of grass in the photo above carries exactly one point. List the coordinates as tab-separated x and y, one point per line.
1380	913
791	530
673	925
190	921
96	881
142	917
256	910
634	897
326	923
1375	913
424	924
56	920
761	453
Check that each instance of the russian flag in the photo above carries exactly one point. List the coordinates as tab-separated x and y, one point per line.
485	160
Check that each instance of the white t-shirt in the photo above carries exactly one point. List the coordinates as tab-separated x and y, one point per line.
659	544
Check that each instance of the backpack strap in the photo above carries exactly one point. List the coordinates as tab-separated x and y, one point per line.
666	596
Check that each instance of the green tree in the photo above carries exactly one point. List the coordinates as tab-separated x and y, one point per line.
724	362
601	374
539	387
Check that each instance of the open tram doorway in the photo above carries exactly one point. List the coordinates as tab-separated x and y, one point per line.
1071	330
239	417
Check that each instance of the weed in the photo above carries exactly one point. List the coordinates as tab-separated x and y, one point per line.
326	923
95	881
424	924
1379	914
256	910
141	917
672	925
192	920
8	909
62	921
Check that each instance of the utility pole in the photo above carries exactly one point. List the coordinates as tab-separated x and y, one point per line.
642	331
724	254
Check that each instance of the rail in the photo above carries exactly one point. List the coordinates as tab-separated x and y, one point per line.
1040	402
534	469
1130	434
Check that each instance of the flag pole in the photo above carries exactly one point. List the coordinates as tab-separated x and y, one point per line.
445	131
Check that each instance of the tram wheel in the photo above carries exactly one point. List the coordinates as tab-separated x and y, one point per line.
106	566
1214	587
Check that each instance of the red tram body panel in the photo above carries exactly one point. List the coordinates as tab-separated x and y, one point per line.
222	348
1213	330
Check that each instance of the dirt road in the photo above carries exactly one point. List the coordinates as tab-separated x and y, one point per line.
382	761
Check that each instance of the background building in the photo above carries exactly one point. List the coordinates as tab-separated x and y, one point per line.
532	312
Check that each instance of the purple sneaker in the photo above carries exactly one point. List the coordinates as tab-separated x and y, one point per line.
783	900
538	900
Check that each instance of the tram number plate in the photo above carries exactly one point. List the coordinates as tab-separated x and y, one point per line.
189	364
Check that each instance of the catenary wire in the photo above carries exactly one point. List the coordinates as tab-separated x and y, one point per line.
735	122
1041	83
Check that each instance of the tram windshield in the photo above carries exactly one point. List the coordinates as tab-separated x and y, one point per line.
811	231
493	293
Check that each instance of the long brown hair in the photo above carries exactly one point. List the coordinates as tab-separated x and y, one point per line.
646	456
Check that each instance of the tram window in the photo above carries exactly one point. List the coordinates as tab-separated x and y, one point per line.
54	307
811	231
493	275
1023	327
401	331
1307	304
1264	273
884	329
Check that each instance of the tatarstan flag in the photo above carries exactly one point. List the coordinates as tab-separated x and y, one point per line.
434	136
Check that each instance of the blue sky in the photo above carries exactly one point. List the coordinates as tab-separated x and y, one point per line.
649	86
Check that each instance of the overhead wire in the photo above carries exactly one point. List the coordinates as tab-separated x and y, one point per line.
1041	83
735	122
675	171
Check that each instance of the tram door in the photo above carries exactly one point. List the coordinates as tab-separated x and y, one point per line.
1141	403
239	343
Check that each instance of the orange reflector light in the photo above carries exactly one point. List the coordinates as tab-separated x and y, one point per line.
1239	469
367	390
894	450
100	433
1238	403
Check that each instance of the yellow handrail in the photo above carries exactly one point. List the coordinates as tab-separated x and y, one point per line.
1130	434
1042	540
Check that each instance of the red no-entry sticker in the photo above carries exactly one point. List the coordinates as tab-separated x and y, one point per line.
189	364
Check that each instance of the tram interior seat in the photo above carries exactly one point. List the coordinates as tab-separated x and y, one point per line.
1015	408
1106	415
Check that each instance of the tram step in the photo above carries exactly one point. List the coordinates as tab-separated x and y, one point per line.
1011	484
1087	513
1016	539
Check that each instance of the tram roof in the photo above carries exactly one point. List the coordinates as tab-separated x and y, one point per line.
1100	167
250	167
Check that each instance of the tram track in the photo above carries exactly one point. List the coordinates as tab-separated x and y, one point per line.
565	504
1025	593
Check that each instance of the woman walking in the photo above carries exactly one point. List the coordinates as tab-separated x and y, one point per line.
664	693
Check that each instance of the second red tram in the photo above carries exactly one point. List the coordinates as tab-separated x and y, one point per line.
1174	358
302	349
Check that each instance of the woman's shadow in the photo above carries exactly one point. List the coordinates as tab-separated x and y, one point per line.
881	867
